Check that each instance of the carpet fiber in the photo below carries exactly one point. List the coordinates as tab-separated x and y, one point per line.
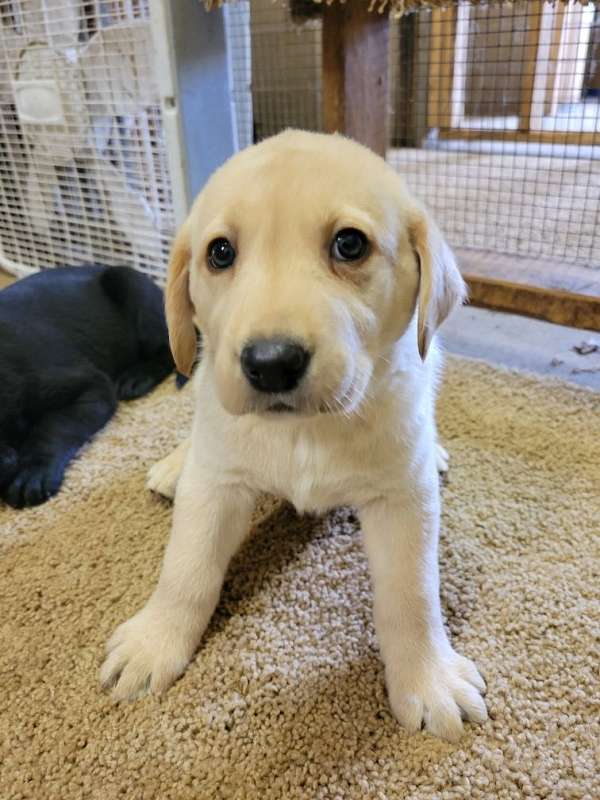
286	697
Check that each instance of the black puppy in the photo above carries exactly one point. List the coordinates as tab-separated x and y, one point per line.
73	341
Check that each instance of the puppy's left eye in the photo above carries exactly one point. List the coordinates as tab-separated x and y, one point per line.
349	244
221	253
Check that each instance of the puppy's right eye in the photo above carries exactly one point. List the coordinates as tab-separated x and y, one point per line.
349	244
221	253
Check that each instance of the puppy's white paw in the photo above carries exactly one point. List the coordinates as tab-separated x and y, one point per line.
163	476
445	689
146	654
442	459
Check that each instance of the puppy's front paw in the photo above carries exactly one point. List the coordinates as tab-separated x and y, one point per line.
438	693
163	476
33	484
146	654
442	459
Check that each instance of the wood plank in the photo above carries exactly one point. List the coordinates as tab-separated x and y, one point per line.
408	125
592	68
460	53
554	62
530	62
355	73
552	305
441	67
572	55
435	71
542	272
543	67
503	135
568	294
333	68
367	42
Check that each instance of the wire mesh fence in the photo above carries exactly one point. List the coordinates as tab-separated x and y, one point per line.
493	120
83	168
494	115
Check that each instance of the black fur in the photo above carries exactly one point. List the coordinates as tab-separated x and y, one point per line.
73	342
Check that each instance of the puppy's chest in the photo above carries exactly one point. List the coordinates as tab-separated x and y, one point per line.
314	474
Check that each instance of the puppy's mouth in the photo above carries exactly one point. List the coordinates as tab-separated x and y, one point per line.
301	410
280	408
283	407
300	404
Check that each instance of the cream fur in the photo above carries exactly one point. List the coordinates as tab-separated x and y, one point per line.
363	431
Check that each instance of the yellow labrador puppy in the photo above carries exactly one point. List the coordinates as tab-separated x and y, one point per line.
318	283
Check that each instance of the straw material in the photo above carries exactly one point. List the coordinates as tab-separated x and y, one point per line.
398	8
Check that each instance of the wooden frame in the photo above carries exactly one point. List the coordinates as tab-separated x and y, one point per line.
355	73
441	68
530	63
544	100
537	287
552	305
540	137
550	41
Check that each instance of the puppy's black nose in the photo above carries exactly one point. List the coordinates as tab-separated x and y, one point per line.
274	365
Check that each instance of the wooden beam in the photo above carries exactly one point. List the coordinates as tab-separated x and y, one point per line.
355	73
554	61
552	305
533	19
540	271
405	100
572	55
503	135
441	67
333	67
543	67
456	51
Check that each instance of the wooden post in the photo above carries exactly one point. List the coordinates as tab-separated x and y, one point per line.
554	61
533	20
355	73
546	64
440	99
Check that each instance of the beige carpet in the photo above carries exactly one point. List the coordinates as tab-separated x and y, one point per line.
286	699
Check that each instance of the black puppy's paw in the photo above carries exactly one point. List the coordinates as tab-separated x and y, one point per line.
135	383
33	485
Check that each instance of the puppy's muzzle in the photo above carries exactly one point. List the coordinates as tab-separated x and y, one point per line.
275	365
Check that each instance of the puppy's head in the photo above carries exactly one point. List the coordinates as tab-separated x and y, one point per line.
302	262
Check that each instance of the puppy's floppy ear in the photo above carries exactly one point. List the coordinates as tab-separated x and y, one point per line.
441	287
178	304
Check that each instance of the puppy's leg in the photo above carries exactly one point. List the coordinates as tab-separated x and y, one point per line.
141	377
427	681
77	404
163	476
151	650
442	459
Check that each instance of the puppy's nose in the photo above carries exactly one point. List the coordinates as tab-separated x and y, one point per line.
274	365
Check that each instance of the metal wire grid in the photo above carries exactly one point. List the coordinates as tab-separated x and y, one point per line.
96	188
470	90
92	186
506	150
286	70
